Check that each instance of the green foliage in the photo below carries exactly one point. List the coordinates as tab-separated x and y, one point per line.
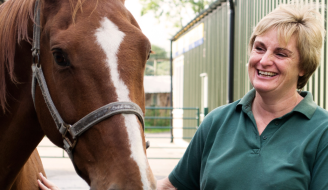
157	122
158	63
161	68
177	12
158	53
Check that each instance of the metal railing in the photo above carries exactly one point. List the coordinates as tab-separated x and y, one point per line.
165	117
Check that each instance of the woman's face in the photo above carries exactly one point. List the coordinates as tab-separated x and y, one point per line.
274	66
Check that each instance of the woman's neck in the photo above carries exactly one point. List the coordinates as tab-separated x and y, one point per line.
267	107
277	105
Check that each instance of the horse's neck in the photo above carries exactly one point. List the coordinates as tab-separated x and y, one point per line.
20	129
26	179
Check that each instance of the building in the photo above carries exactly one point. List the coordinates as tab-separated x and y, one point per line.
157	91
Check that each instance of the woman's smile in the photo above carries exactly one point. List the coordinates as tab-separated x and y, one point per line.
266	73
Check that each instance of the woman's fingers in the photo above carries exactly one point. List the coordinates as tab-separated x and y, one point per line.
45	184
45	181
42	187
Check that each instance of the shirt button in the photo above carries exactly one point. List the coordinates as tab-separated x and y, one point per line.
276	122
264	137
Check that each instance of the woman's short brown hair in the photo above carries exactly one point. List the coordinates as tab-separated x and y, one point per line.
306	24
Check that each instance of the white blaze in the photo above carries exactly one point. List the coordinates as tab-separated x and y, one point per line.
109	37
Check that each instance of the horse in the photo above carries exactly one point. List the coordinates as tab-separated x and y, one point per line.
81	86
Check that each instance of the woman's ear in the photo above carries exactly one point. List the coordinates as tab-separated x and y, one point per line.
301	73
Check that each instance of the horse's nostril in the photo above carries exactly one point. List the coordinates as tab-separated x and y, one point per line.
147	144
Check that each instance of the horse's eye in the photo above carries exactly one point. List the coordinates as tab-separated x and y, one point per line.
149	54
60	58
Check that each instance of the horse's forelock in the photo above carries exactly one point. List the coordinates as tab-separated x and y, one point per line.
14	18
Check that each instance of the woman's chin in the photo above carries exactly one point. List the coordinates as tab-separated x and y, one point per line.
264	89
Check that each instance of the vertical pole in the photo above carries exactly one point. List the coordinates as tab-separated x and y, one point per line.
205	111
197	117
155	67
231	50
171	102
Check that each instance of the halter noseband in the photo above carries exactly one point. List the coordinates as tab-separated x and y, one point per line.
86	122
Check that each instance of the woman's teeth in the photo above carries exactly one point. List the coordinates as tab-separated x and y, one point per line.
267	74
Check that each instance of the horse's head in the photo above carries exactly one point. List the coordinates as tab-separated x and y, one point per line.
92	54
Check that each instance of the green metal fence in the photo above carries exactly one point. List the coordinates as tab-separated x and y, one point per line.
162	116
192	118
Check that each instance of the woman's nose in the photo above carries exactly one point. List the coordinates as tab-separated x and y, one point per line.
266	59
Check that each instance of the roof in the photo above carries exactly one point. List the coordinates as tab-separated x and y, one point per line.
200	16
157	84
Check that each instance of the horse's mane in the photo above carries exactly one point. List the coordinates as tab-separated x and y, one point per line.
14	18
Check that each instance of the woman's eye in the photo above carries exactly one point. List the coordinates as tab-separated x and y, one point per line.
258	48
281	55
60	58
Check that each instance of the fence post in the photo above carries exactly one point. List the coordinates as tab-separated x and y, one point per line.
205	111
172	125
198	117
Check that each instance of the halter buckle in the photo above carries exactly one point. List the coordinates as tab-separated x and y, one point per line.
66	128
36	59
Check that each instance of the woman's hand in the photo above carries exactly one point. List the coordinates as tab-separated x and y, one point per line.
165	184
45	184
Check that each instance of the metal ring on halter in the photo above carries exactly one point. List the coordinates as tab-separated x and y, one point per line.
36	59
67	127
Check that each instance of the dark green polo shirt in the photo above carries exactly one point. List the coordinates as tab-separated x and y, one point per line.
227	152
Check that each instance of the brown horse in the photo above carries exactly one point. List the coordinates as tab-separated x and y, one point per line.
92	53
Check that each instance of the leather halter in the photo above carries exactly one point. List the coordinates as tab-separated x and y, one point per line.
86	122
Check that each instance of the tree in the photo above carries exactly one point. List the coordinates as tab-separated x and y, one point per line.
158	53
177	12
158	62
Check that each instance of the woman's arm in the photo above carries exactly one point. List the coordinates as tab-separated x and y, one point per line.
165	184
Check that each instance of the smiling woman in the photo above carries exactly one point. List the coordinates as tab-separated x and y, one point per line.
275	137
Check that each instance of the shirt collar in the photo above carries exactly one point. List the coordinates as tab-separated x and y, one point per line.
306	107
247	100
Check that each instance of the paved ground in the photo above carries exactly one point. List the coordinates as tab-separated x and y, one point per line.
62	173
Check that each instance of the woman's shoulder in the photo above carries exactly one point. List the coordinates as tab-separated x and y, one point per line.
319	122
219	115
224	110
321	112
320	116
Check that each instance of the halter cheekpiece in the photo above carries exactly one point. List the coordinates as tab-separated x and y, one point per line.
77	129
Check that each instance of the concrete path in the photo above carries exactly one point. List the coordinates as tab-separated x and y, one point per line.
62	173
